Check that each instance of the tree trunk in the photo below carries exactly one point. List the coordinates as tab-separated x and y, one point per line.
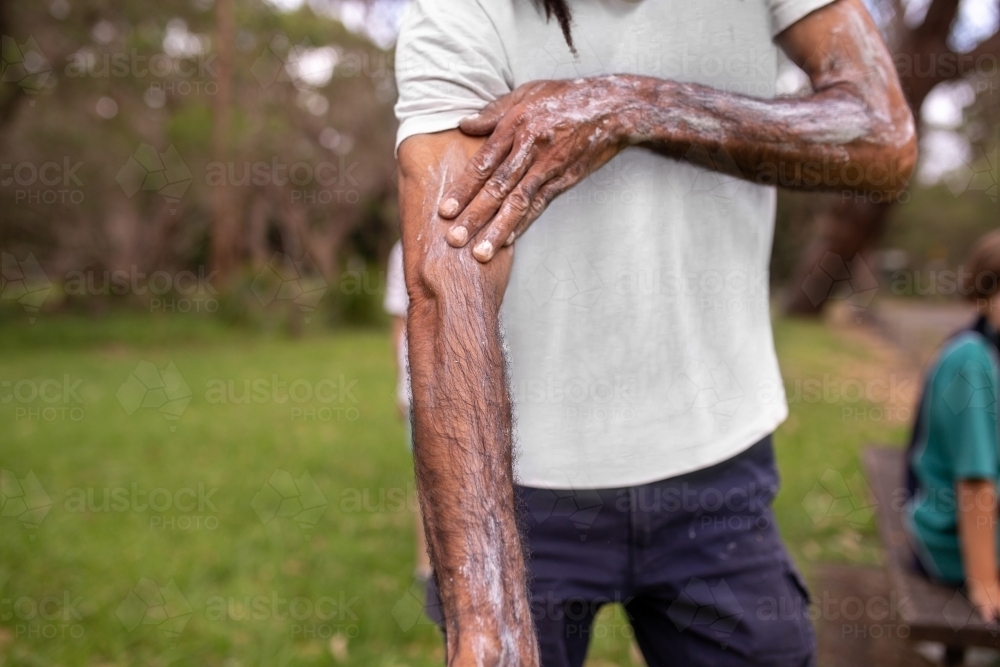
226	242
850	228
844	234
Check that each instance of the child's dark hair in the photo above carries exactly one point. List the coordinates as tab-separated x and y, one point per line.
982	276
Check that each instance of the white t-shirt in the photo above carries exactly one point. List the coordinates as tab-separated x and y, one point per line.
636	319
396	302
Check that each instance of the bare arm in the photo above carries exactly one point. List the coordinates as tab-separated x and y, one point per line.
977	510
853	132
462	418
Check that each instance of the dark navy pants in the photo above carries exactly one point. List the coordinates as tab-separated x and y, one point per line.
696	561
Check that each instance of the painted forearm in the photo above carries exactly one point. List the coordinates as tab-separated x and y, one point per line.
854	132
830	140
462	428
462	437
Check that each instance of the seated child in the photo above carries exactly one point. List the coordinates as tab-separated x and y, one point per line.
954	453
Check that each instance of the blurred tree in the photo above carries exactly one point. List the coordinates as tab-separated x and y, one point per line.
163	135
927	54
225	218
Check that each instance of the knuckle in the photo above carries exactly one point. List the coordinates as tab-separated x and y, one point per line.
538	205
494	190
482	167
518	201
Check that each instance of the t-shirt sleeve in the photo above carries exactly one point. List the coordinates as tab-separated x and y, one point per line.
967	411
396	299
784	13
450	63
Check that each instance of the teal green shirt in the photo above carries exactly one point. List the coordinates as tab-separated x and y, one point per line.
955	438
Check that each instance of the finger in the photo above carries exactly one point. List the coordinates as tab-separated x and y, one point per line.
486	120
516	206
476	173
546	194
491	196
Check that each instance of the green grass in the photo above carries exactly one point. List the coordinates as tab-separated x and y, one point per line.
352	560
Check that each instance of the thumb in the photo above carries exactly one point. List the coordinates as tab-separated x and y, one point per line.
486	120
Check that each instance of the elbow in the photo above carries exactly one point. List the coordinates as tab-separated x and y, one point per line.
895	157
435	276
425	286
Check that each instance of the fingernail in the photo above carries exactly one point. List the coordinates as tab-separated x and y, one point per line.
449	207
510	239
484	250
458	234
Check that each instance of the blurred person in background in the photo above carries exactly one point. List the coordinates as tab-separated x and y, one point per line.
644	138
395	304
954	453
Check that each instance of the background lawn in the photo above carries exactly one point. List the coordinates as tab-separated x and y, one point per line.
169	540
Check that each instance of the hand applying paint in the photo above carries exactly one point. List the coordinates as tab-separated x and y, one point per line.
853	134
545	137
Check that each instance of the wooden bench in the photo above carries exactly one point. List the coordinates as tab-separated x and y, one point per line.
931	611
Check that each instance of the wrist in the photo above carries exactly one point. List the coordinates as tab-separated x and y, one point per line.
650	111
494	645
627	97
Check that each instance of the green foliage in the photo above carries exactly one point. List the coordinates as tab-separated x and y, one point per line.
190	128
939	226
115	86
360	544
